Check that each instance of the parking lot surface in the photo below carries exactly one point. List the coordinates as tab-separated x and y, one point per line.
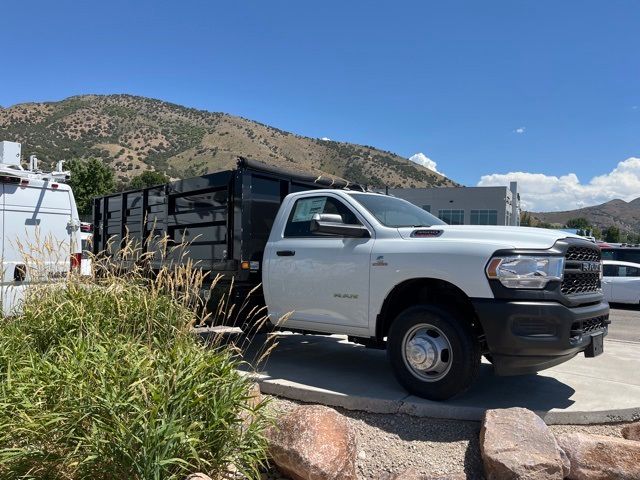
330	370
625	323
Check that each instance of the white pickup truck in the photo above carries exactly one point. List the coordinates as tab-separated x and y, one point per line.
387	273
378	269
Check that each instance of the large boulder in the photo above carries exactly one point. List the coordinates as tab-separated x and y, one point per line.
600	457
516	444
632	431
313	442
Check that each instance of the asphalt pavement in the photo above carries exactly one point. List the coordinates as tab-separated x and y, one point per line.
625	323
330	370
333	371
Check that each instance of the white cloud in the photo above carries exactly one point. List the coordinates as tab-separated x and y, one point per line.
540	192
520	130
421	159
325	139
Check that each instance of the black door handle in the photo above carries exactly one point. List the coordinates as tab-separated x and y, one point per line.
286	253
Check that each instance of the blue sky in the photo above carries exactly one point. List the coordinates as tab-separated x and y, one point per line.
454	80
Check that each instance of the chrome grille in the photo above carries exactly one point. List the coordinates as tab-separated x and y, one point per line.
576	280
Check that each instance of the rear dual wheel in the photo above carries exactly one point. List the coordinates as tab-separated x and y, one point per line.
433	352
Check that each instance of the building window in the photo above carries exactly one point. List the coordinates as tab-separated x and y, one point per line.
484	217
427	208
452	217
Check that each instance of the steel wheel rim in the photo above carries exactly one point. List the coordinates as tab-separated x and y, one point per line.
427	353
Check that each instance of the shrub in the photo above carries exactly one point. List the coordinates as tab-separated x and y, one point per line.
106	380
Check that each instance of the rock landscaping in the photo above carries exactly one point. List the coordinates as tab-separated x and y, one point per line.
310	442
632	431
595	457
413	474
313	443
516	443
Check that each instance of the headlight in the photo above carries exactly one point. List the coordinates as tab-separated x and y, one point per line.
523	271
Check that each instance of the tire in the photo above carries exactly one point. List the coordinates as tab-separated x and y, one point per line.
416	335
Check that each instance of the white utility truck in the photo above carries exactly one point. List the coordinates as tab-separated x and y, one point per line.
380	270
40	239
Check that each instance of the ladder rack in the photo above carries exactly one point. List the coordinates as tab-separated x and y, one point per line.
10	165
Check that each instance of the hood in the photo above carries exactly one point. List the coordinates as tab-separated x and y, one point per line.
502	237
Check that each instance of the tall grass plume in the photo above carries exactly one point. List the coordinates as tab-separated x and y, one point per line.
105	379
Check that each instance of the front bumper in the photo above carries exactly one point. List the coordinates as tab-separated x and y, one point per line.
528	336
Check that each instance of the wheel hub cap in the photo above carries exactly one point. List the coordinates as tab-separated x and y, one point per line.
421	353
427	352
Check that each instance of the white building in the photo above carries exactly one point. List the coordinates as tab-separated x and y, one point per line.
467	205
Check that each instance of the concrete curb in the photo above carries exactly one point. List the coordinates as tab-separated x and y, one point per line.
303	393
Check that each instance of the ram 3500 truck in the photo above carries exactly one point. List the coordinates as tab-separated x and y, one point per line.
390	275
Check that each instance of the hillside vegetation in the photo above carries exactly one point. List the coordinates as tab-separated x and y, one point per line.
136	134
616	213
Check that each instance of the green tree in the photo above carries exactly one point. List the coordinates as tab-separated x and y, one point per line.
525	219
547	225
612	234
579	223
633	238
90	178
148	179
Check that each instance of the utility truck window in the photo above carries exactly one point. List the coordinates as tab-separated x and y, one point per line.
395	212
299	223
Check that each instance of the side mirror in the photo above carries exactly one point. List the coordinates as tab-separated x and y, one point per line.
332	224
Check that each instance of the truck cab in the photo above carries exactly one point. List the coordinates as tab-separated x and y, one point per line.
437	297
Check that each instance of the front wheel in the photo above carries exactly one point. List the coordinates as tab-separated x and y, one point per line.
433	353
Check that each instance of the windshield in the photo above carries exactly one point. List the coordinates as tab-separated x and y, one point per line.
395	212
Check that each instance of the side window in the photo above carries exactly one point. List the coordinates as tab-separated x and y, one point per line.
633	272
452	217
610	271
299	222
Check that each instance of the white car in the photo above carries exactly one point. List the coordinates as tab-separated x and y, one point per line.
621	281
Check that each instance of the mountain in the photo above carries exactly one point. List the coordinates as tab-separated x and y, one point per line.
618	213
134	134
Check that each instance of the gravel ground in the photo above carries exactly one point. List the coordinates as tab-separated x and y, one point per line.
391	443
